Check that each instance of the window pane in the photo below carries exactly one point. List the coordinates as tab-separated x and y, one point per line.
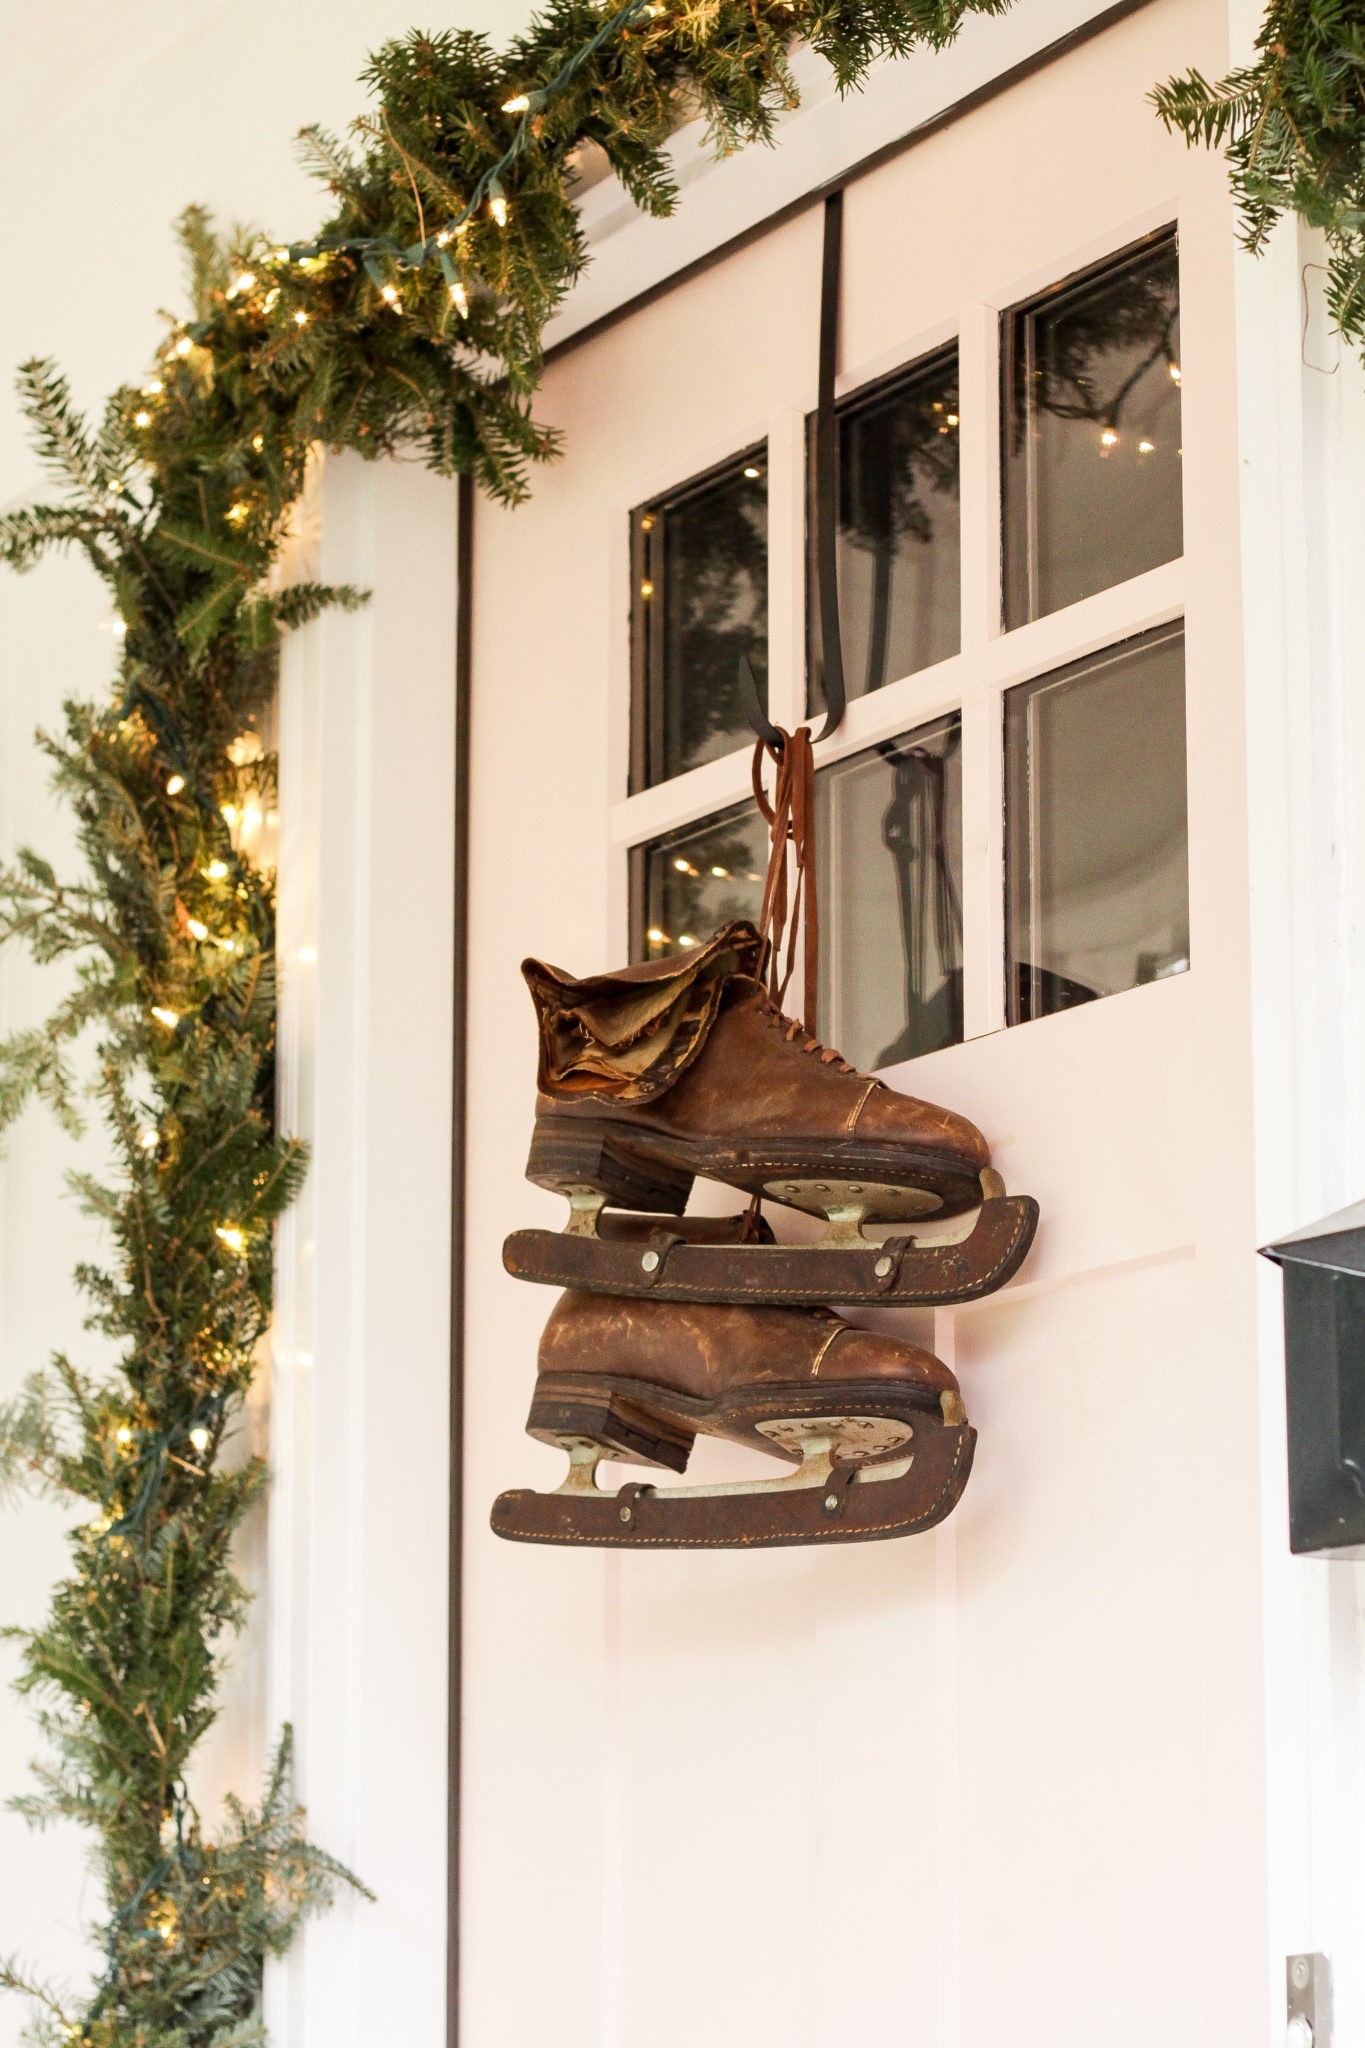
1092	433
687	883
898	530
889	826
700	562
1095	830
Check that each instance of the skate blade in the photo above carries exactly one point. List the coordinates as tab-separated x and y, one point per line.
857	1271
830	1499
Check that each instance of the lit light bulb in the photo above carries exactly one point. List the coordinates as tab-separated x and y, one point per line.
199	1436
1145	447
1109	439
125	1435
216	870
721	874
245	281
119	629
300	318
232	1237
196	929
184	345
238	512
389	295
148	1141
655	936
230	813
258	442
142	419
952	419
647	523
174	784
520	105
271	299
646	588
684	867
1175	373
153	389
686	939
443	239
497	206
461	298
251	818
166	1017
751	472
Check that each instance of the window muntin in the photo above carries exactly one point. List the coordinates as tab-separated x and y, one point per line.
1091	432
699	559
1096	840
889	839
685	884
898	546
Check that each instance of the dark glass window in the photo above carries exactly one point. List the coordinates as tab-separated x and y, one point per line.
1095	830
685	884
1091	420
699	561
898	530
889	825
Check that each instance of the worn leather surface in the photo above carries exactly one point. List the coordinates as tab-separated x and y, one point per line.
626	1036
753	1078
698	1264
708	1350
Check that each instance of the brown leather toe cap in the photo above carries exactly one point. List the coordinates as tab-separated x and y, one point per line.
862	1355
907	1120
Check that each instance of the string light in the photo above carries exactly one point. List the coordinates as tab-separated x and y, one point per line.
1109	439
497	202
153	389
148	1141
461	298
721	874
125	1435
684	867
119	629
232	1237
520	105
242	283
230	813
655	936
272	299
1145	447
1175	373
196	929
166	1017
646	588
216	870
686	939
389	295
300	318
199	1436
174	784
184	345
280	255
751	472
142	419
238	512
952	419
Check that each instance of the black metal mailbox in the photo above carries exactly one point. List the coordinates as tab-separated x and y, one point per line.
1324	1368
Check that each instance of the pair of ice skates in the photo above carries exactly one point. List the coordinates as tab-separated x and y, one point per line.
674	1326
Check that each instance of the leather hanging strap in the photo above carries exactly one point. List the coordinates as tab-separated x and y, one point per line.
791	822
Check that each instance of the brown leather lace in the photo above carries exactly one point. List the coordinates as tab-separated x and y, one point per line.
791	1029
791	822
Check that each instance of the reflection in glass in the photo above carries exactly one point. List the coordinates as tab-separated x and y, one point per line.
898	530
889	825
700	569
688	882
1095	827
1092	433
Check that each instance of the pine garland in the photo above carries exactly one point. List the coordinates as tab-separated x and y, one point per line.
411	324
1292	126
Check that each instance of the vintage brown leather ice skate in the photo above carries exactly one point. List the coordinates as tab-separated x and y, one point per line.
877	1425
685	1066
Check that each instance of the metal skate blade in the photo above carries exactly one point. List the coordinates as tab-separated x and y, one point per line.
855	1438
846	1202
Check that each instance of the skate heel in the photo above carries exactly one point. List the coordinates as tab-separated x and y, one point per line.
569	1153
616	1427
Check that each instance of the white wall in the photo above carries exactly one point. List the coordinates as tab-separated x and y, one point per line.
112	120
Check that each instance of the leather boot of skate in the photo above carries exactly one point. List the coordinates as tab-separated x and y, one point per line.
875	1426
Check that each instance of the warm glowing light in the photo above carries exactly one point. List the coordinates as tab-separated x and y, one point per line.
148	1141
245	281
251	817
646	588
153	389
647	523
258	442
236	513
461	298
300	318
655	936
119	629
952	419
271	299
184	345
684	867
1175	373
174	784
686	939
1145	447
125	1435
216	870
166	1017
389	295
230	813
280	255
721	874
497	206
1109	439
443	239
196	929
199	1436
142	419
750	471
232	1237
520	105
